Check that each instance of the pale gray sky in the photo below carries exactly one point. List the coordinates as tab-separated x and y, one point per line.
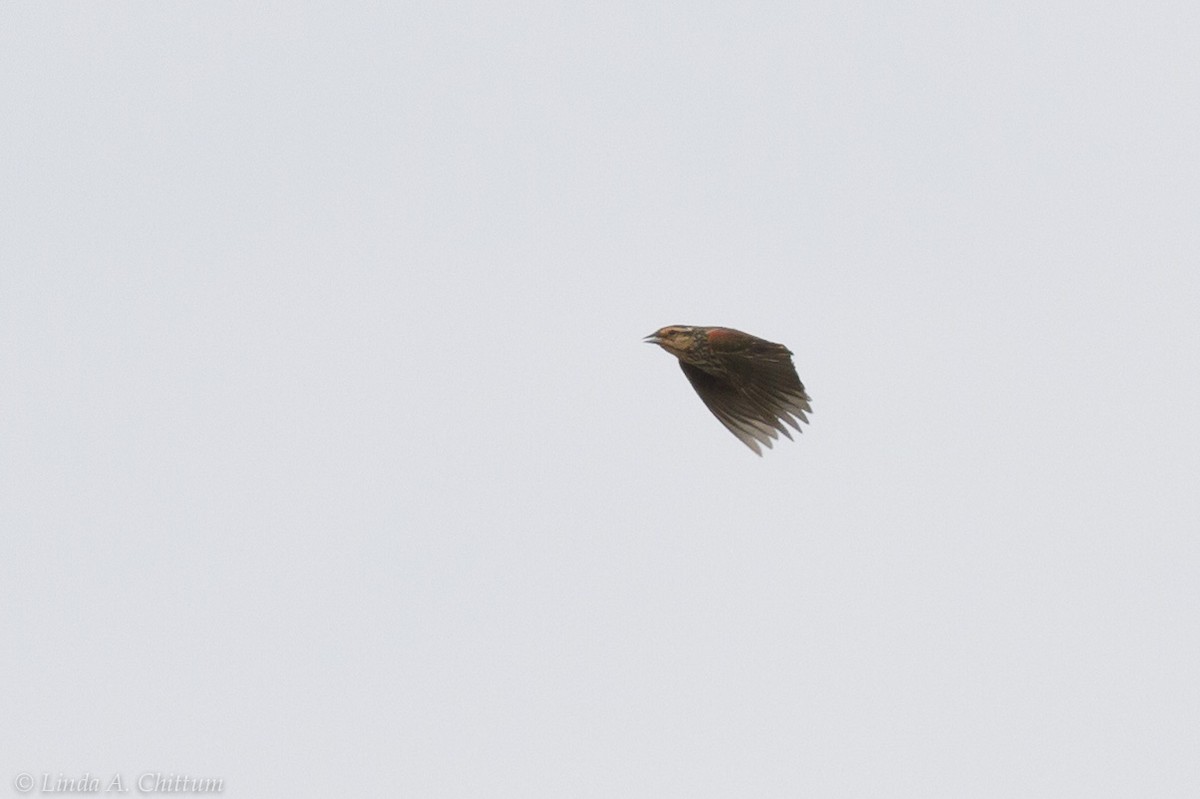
333	462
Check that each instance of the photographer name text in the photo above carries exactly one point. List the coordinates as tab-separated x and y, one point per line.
147	782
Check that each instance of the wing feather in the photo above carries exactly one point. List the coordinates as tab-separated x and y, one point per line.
754	421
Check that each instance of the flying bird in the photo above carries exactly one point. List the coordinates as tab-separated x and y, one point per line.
748	383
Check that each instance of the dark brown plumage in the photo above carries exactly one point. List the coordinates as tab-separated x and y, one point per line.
748	383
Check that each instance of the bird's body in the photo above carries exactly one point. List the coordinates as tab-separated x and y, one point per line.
748	383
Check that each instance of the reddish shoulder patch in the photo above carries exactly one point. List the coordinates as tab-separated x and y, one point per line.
726	339
721	335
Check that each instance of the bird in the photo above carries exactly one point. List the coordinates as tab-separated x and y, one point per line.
749	383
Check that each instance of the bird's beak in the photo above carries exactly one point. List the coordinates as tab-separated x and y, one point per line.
653	338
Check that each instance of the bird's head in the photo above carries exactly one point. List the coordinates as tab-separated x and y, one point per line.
679	340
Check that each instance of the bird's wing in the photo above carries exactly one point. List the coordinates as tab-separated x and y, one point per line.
765	374
748	419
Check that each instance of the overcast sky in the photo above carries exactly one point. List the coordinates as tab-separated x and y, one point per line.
332	462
